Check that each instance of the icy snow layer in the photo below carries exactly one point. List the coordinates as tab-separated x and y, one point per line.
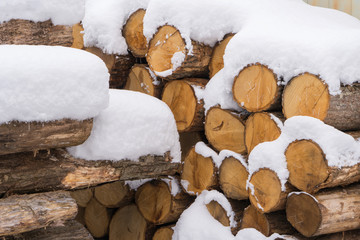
104	20
43	83
61	12
339	148
134	125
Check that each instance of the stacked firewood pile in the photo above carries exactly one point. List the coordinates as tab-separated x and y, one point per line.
118	211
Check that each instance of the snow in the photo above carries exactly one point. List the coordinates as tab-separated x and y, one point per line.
173	184
64	12
134	125
103	23
298	193
39	83
340	149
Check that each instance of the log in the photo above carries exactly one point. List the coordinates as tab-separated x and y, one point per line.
142	79
266	223
238	208
158	205
198	173
128	224
80	216
266	193
217	56
82	196
232	178
18	31
225	130
188	110
133	34
24	213
188	140
329	211
23	173
78	36
261	127
255	89
167	43
18	136
114	195
308	95
310	172
97	218
164	233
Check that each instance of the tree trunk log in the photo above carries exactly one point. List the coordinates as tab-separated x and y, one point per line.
82	196
217	56
32	136
188	110
142	79
23	173
310	172
97	218
164	233
18	31
256	89
158	205
114	195
308	95
162	48
329	211
24	213
225	130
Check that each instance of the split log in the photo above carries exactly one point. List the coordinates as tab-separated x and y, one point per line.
24	213
82	196
261	127
18	31
188	140
133	34
23	173
97	218
329	211
18	136
225	130
167	49
217	56
188	110
265	192
256	89
198	173
142	79
164	233
266	223
310	172
232	178
158	205
308	95
114	195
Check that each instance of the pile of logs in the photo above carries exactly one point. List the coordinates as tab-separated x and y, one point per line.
150	211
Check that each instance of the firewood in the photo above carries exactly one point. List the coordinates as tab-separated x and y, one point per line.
167	42
261	127
24	172
266	223
188	110
218	213
188	140
256	89
78	36
164	233
198	173
265	191
308	95
128	224
80	216
238	208
82	196
133	34
141	79
114	195
18	31
329	211
32	136
225	130
217	56
232	178
97	218
158	205
24	213
310	172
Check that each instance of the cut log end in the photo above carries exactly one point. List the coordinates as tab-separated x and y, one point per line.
218	213
217	57
252	218
164	233
232	177
224	130
255	88
133	34
113	195
97	218
82	196
306	164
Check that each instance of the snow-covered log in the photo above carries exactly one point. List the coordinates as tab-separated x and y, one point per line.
114	195
217	56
